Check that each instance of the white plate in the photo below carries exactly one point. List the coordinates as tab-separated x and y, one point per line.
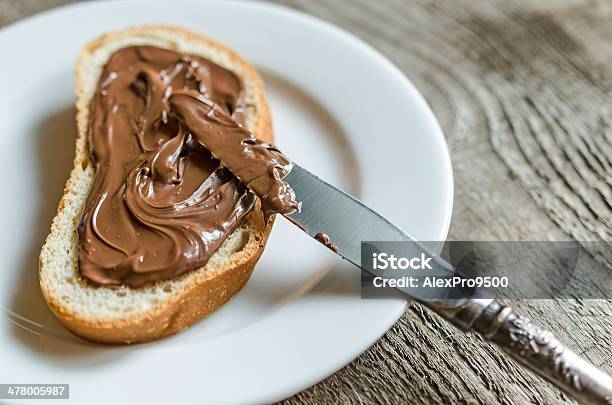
339	108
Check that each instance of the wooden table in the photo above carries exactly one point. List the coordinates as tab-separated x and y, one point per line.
523	91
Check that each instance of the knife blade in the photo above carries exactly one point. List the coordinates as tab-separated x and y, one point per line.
341	222
330	211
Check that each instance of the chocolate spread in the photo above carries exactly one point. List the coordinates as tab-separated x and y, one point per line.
175	167
326	240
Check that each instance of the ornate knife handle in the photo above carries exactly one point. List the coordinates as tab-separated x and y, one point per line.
529	344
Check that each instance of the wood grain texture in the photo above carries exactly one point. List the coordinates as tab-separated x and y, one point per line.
13	10
523	91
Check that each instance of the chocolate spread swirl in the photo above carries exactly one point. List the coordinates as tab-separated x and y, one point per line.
175	167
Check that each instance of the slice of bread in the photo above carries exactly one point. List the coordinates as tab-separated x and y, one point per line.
122	314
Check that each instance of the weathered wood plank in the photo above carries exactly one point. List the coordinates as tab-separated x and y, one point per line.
13	10
523	92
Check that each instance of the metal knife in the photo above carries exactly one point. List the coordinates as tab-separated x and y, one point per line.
329	212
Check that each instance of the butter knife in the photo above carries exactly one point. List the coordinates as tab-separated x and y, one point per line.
341	222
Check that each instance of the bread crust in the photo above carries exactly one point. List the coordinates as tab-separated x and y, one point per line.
206	289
